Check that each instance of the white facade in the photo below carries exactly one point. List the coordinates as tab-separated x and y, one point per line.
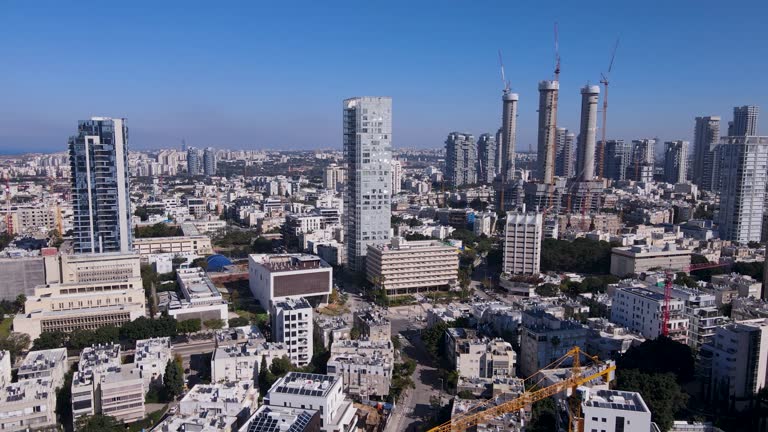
522	243
485	359
281	277
405	267
315	392
743	176
367	129
397	176
241	362
364	366
334	177
151	357
292	325
640	310
100	201
198	245
585	169
201	299
615	411
739	360
48	364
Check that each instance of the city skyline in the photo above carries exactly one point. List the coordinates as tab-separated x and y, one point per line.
229	78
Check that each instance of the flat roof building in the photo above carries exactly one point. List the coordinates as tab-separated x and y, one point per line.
406	267
634	260
292	325
289	276
282	419
615	411
315	391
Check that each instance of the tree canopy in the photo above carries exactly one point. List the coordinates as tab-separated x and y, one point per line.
99	423
580	256
660	392
661	355
173	380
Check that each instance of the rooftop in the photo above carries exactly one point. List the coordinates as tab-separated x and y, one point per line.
304	384
41	360
293	304
617	400
289	262
279	419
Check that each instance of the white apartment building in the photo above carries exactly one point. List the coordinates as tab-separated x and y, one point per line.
364	366
315	392
151	357
522	243
28	405
103	385
615	411
407	267
483	358
736	361
84	292
212	408
741	163
279	419
241	362
201	299
274	278
334	177
640	310
5	368
640	259
292	325
198	245
48	364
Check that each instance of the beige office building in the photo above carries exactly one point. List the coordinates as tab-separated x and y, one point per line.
197	244
84	292
407	267
639	259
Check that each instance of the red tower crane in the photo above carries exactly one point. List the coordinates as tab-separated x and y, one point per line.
668	281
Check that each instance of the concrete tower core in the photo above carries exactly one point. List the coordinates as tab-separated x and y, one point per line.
508	135
548	91
585	167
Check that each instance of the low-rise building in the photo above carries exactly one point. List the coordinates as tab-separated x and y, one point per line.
151	357
282	419
615	411
331	329
485	358
292	325
641	310
28	405
212	408
241	362
196	244
48	364
274	278
609	341
103	385
545	338
407	267
313	391
199	298
373	325
364	366
635	260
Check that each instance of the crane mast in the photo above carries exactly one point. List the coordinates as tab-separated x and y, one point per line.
471	419
604	82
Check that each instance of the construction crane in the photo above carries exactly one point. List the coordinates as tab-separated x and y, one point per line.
604	81
557	55
499	145
483	411
669	278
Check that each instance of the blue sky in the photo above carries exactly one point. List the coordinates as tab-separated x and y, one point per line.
261	75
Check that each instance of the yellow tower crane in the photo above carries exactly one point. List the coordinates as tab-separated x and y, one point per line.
529	397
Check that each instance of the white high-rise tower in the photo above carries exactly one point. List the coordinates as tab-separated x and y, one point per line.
367	129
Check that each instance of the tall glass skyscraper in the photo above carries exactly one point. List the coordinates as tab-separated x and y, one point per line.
367	129
98	156
209	162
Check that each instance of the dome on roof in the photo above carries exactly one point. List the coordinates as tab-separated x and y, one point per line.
217	262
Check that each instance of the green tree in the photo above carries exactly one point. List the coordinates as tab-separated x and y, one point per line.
280	366
49	340
660	391
266	377
354	334
64	400
16	344
214	324
99	423
661	355
173	380
262	245
432	337
548	290
238	322
189	326
543	416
